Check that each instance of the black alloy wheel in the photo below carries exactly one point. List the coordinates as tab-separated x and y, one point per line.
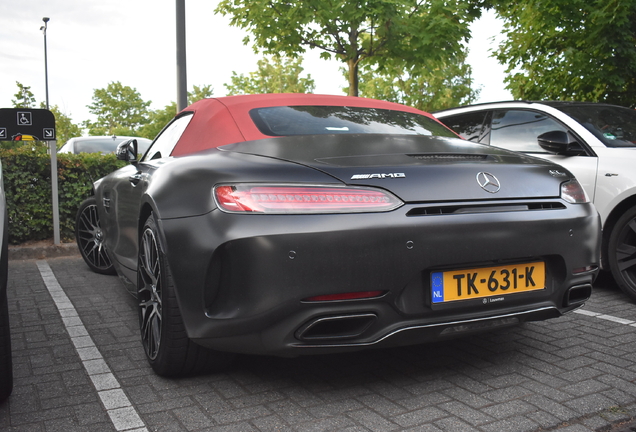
622	252
149	290
90	238
168	349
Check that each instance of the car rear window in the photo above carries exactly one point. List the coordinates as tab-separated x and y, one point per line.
320	120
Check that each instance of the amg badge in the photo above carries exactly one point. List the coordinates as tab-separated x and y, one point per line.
377	176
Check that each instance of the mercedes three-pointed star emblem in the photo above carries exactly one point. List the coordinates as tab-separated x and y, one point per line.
488	182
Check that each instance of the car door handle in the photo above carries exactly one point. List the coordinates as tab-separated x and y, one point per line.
135	178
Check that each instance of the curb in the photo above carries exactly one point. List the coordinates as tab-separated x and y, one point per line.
42	252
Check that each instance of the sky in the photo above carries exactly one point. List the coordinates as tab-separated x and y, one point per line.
91	43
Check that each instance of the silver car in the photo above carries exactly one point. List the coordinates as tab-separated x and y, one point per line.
101	144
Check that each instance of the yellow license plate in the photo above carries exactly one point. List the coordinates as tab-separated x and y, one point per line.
467	284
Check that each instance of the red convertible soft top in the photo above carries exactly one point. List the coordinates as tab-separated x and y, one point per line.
226	120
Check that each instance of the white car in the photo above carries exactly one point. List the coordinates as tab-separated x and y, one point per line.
595	141
101	144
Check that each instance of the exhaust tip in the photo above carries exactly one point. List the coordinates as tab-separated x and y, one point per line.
577	294
336	327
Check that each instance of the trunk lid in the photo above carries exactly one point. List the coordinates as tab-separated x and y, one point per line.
417	168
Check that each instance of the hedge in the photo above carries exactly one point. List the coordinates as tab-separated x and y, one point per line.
27	182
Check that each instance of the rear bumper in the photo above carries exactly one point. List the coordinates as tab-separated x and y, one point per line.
405	332
241	280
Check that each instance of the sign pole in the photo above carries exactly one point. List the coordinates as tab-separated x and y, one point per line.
54	192
52	145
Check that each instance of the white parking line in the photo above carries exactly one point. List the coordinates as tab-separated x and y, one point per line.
606	317
122	413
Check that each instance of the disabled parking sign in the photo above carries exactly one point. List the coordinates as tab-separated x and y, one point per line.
27	124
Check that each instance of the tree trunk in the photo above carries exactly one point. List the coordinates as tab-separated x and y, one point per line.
353	77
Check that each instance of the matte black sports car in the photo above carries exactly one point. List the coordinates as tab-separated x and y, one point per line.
302	224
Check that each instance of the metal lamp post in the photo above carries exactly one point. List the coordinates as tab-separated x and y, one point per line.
52	149
182	87
46	67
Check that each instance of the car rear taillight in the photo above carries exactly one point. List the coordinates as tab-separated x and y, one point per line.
573	192
284	199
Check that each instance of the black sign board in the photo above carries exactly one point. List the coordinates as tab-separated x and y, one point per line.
26	124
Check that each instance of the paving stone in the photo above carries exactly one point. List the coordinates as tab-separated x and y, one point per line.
560	411
290	412
425	415
508	409
454	425
372	421
466	413
382	405
470	399
514	424
589	404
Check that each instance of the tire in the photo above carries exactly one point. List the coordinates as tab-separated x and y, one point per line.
6	362
168	349
89	237
622	252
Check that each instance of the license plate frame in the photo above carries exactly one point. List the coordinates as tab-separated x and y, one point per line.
452	286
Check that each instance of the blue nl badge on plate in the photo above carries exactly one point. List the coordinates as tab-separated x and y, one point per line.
437	287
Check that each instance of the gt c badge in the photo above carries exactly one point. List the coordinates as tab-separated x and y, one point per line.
377	176
488	182
557	173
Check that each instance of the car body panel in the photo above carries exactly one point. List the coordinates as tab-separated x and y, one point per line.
585	169
616	180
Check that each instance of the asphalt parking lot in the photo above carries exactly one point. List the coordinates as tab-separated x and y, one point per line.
79	366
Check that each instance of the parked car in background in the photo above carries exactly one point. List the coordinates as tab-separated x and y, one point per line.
595	141
6	362
293	224
101	144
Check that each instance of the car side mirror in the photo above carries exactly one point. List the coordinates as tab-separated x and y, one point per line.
561	143
127	151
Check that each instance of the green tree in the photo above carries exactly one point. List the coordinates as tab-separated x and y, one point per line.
24	98
357	32
429	88
120	110
159	118
64	126
277	75
570	49
199	93
65	129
